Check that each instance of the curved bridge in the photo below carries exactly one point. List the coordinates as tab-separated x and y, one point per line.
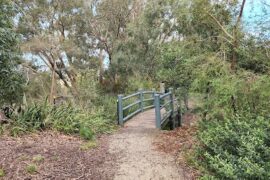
166	109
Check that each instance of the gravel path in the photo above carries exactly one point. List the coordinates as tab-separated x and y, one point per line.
138	158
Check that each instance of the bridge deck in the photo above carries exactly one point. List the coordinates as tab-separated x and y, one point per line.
146	119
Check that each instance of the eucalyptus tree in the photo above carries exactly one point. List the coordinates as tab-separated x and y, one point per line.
50	31
107	29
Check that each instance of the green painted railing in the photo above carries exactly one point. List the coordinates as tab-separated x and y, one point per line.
138	100
133	104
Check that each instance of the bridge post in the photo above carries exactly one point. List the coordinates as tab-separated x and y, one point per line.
153	95
141	99
171	99
172	107
157	111
120	110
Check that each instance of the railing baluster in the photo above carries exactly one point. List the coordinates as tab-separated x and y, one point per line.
141	99
171	99
172	108
157	111
120	110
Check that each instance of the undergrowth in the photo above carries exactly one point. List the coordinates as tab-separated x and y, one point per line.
65	118
234	133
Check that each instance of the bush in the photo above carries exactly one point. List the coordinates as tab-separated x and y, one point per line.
65	119
106	106
236	148
234	133
33	118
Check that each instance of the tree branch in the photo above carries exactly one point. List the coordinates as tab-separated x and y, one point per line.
219	24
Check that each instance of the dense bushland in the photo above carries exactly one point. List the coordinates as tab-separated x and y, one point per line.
234	130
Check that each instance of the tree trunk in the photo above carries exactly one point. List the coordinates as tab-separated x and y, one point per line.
235	37
53	83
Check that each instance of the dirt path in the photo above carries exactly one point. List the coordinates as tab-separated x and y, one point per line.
138	157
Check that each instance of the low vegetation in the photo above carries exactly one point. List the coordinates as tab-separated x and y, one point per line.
2	172
38	159
31	168
88	145
65	118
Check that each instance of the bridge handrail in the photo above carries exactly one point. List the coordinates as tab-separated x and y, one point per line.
140	100
131	95
165	95
157	98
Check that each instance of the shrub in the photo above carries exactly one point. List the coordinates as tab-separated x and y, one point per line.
236	148
234	139
33	118
86	133
105	105
65	119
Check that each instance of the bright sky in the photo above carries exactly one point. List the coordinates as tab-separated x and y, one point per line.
255	11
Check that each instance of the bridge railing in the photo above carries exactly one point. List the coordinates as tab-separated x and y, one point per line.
164	108
164	104
129	106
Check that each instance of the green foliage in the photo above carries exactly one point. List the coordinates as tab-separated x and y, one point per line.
86	133
234	134
10	80
138	82
88	145
186	44
2	172
31	119
31	168
105	107
36	91
38	158
236	148
1	130
65	118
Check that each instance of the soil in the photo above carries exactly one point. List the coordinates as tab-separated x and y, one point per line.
62	157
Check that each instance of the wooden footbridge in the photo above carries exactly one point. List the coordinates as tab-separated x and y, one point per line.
166	108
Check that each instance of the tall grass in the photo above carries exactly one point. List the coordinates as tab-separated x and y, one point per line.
65	118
